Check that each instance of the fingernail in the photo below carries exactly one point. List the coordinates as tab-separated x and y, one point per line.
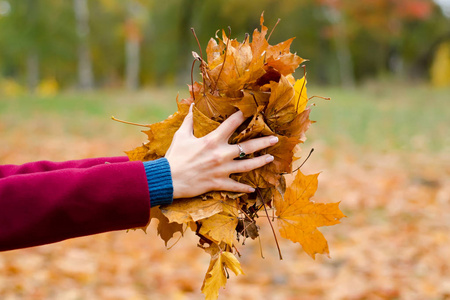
269	158
273	140
251	190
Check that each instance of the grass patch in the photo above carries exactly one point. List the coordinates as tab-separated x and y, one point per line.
383	117
380	117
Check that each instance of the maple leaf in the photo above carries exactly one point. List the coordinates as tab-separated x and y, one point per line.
165	229
160	134
259	42
193	209
297	127
300	97
281	107
138	154
256	78
298	217
250	102
257	127
202	124
213	106
216	277
221	227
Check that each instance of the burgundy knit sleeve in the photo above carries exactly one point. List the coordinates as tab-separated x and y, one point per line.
44	166
49	206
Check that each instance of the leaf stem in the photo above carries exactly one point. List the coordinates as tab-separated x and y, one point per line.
310	152
270	34
130	123
324	98
270	222
224	58
192	79
198	43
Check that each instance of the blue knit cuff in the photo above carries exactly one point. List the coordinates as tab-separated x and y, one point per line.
159	179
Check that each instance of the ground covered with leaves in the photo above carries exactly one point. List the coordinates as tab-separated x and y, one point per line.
392	245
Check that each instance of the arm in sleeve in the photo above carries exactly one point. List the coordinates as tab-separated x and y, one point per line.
44	166
46	207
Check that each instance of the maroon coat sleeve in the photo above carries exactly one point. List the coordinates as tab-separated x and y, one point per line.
43	166
45	202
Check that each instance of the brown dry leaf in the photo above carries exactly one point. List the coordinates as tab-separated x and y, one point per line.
202	124
138	154
281	107
259	42
160	134
298	217
297	127
216	277
255	78
250	102
286	63
216	107
256	128
192	209
221	227
166	229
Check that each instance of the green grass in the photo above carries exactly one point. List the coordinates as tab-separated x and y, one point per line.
381	117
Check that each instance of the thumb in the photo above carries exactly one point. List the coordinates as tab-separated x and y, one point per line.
187	127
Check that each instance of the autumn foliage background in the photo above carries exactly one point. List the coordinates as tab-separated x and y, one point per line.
381	144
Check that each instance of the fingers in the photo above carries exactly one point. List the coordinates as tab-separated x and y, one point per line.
247	165
187	127
234	186
254	145
226	129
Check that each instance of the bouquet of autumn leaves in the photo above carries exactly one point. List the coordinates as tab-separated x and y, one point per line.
256	78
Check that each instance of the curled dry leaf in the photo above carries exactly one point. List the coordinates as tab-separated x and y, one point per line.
256	78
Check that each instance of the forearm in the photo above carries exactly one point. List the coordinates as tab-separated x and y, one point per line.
51	206
45	166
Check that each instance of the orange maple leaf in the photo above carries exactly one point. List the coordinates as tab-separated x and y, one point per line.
298	217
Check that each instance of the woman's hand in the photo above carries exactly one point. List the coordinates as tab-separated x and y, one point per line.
200	165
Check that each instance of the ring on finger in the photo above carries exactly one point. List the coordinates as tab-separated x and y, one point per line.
241	151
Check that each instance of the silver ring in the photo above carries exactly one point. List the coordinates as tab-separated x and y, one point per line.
241	151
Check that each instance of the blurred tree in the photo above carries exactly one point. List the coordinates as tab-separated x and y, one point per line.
133	37
85	75
137	42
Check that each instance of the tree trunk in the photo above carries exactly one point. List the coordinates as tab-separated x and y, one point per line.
32	62
132	47
344	57
85	74
32	70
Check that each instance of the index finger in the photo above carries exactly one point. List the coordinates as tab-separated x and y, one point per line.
226	129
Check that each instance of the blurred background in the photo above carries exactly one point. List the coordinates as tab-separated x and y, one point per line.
381	144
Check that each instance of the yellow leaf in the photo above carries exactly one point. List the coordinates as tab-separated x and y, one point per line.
221	227
202	124
216	277
192	209
166	229
160	134
300	97
281	108
298	217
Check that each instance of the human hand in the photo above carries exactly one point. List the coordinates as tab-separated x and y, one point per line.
200	165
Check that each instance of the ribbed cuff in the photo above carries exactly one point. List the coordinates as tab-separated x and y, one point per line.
159	179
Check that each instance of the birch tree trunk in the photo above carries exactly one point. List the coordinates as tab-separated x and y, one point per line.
32	62
132	47
344	57
32	70
85	74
